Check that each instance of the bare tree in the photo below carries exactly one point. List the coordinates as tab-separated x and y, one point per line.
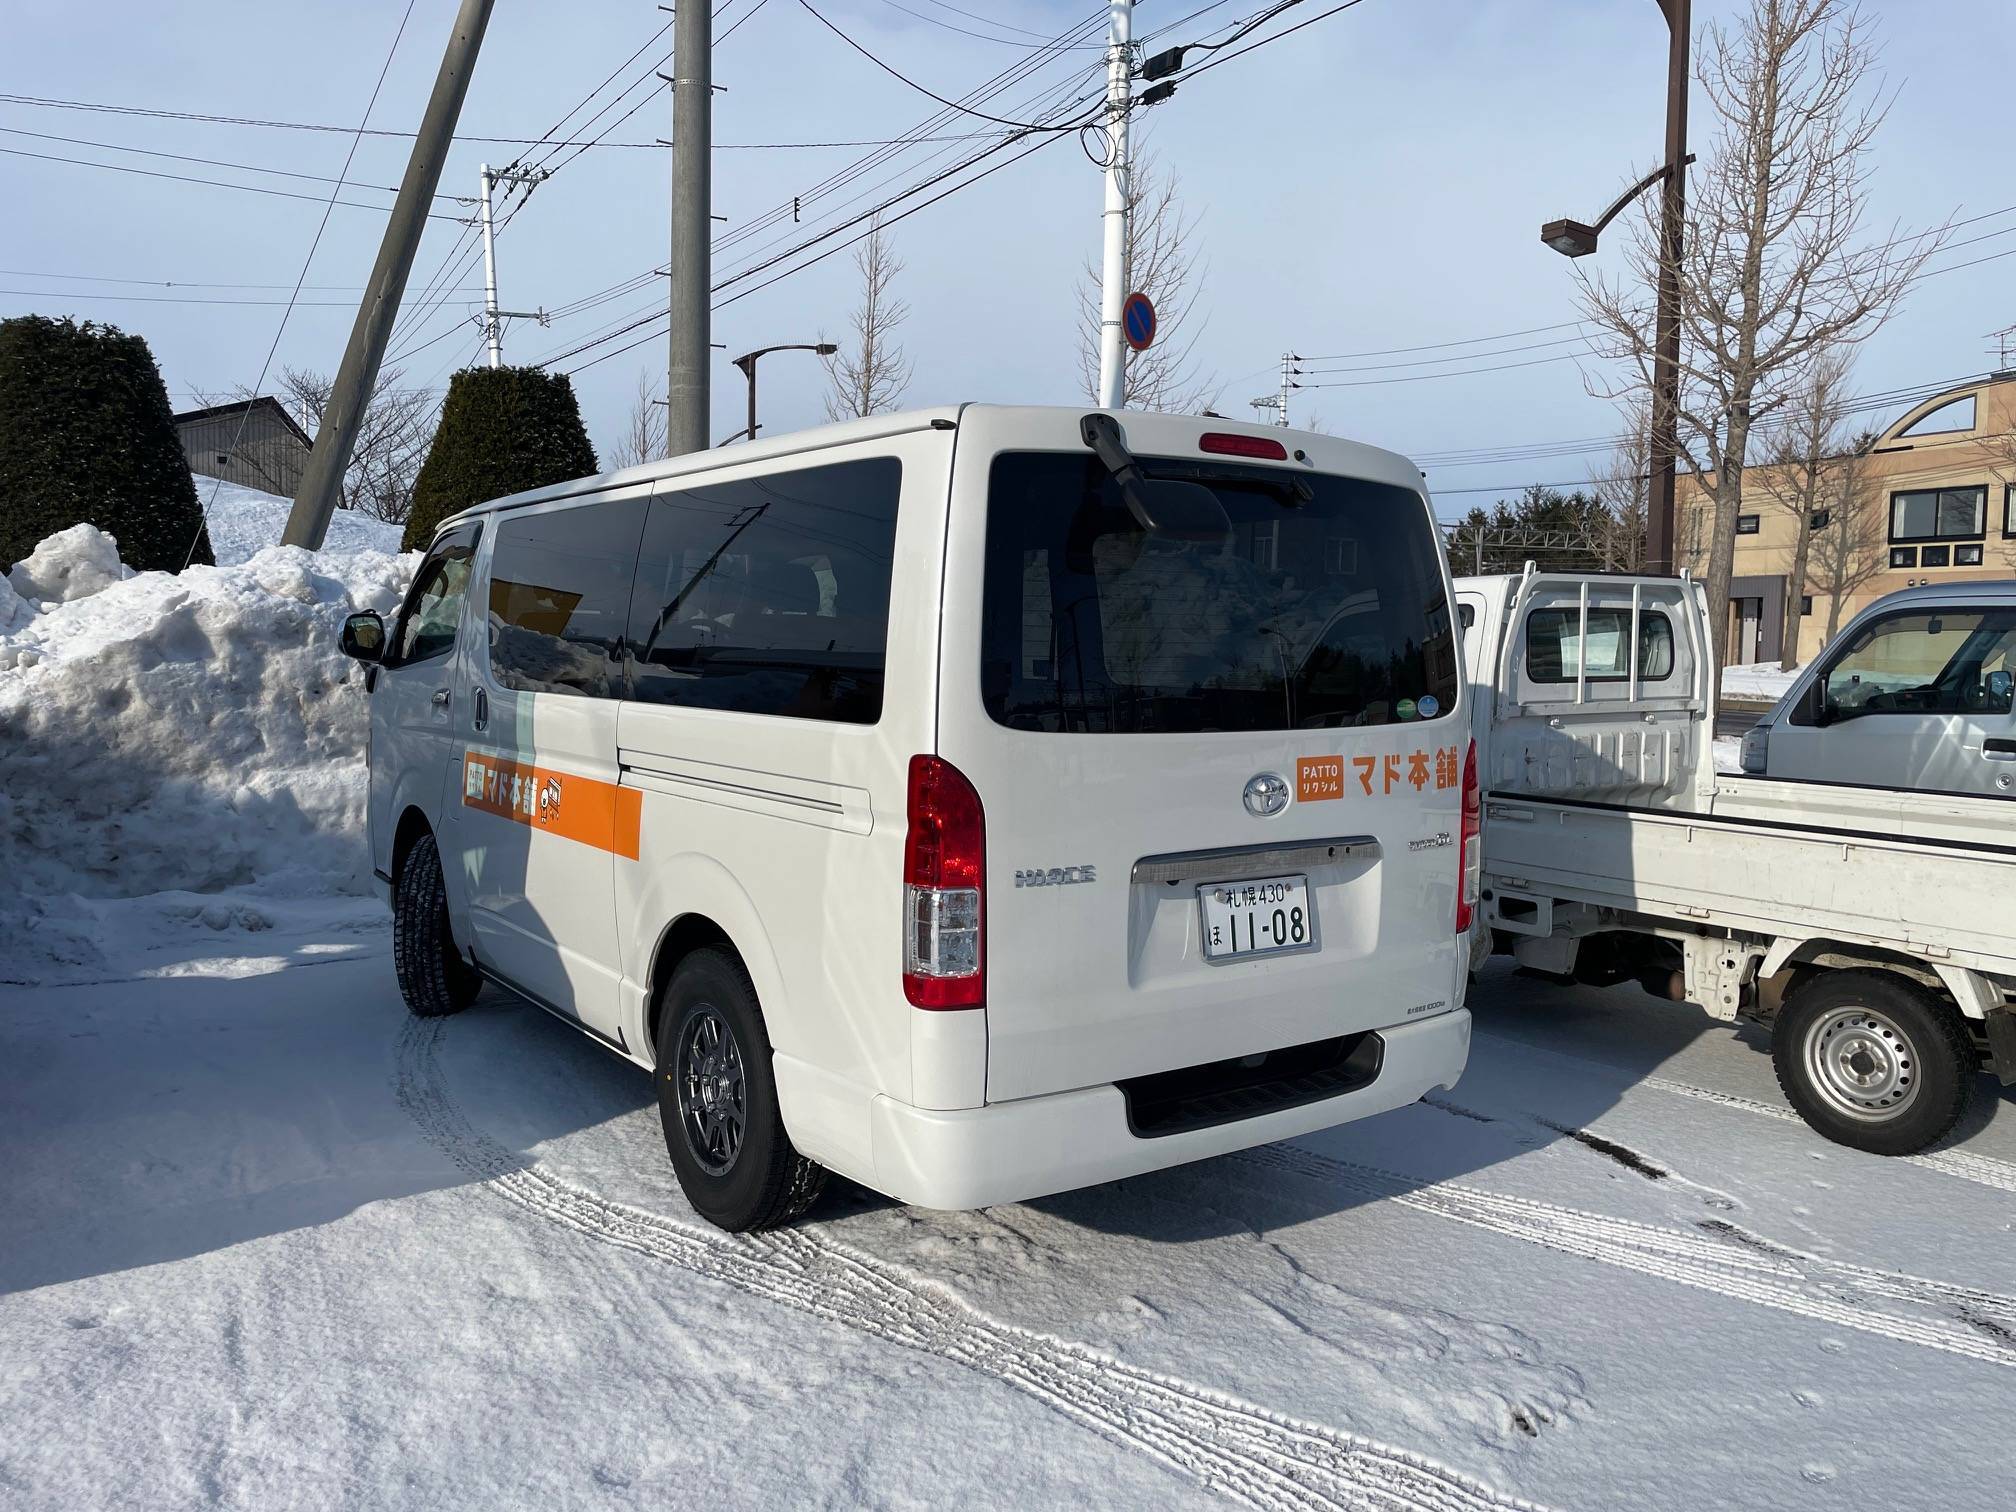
1852	548
392	440
1625	491
871	372
1801	474
1774	270
1161	262
643	438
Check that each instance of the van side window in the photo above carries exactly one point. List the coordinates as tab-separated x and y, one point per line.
1554	651
769	595
1923	661
434	603
559	596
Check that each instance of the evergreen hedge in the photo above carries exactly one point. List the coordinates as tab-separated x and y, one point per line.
87	435
502	430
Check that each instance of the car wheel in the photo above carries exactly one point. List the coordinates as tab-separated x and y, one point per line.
1874	1061
717	1098
433	977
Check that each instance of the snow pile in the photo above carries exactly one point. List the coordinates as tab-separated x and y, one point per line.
198	732
243	522
1759	682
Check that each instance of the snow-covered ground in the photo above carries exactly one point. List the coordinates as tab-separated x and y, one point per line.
1763	682
244	521
269	1242
272	1243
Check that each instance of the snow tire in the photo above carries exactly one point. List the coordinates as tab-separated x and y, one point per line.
433	977
1874	1061
713	1052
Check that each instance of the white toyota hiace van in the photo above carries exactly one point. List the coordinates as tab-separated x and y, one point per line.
978	802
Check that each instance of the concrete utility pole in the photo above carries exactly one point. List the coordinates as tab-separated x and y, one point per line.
1665	447
1114	272
494	318
322	481
687	396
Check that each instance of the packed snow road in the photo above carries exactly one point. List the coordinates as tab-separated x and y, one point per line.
272	1243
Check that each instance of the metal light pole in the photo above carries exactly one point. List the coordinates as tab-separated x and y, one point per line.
747	362
494	318
1573	239
1113	272
687	395
321	484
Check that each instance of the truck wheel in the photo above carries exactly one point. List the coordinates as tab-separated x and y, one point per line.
1873	1061
717	1099
433	977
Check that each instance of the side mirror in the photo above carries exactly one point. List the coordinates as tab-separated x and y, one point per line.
2001	690
1756	759
364	636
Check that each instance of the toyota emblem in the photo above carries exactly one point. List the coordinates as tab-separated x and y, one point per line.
1266	794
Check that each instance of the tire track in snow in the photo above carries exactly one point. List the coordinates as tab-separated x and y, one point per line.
1984	1170
1244	1453
1719	1257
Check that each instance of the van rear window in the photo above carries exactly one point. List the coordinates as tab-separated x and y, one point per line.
1310	614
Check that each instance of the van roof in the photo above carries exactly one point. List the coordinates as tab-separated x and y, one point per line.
1356	457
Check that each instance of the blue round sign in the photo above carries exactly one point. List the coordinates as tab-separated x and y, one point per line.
1137	321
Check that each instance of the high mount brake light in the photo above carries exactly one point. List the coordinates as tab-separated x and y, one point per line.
944	888
1231	444
1470	854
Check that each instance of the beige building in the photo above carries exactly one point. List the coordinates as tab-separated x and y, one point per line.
1929	501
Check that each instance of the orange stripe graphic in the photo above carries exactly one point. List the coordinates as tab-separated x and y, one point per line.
575	808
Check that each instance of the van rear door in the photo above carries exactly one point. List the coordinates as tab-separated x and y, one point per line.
1222	778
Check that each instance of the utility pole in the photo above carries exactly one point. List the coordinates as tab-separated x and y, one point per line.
494	318
1114	271
322	480
1281	403
687	397
1666	339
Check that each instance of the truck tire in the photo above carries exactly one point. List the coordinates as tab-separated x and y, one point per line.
717	1099
1872	1060
433	977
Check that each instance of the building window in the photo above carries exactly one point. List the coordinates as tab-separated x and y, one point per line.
2008	510
1820	519
1903	556
1805	604
1967	556
1746	524
1935	556
1939	514
1958	415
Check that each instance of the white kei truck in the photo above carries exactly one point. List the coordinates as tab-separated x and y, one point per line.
1847	886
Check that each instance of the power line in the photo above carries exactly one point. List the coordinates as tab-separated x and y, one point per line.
964	32
308	304
183	178
182	157
169	283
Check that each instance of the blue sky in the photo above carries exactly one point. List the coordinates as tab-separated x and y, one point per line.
1375	181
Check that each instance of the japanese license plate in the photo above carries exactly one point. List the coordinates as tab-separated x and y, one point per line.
1263	916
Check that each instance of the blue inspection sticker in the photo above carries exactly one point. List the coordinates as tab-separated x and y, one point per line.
1429	705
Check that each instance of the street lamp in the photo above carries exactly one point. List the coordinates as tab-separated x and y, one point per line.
1573	239
747	362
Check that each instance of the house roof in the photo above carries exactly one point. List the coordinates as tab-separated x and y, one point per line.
264	404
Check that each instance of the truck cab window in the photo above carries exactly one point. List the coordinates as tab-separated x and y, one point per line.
1924	661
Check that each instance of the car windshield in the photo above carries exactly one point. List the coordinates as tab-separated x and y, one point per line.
1311	613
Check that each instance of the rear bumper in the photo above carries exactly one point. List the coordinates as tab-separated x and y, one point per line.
1012	1151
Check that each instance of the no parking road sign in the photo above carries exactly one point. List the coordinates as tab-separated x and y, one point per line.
1137	321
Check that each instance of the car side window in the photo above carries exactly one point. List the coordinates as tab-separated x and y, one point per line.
1554	645
1922	661
560	595
433	607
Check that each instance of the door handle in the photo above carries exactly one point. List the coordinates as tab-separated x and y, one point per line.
480	717
1999	749
440	698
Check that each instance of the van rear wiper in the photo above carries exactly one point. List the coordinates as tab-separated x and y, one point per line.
1166	507
1102	434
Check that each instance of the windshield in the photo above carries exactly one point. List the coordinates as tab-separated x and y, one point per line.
1309	614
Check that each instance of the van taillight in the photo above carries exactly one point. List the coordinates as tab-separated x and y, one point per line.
944	889
1471	854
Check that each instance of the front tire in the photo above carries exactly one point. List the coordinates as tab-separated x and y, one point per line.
433	977
717	1099
1873	1061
